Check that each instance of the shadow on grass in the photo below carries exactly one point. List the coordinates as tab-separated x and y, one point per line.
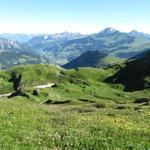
48	102
85	100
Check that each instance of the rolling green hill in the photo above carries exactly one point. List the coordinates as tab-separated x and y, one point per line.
81	82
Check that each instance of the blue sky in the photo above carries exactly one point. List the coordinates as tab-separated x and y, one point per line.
85	16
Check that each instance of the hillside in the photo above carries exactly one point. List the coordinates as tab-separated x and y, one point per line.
43	74
135	73
87	59
79	104
89	81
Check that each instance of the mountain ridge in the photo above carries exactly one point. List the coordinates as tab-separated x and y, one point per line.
134	74
87	59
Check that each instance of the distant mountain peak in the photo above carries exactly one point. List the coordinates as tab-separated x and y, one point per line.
109	29
134	31
7	44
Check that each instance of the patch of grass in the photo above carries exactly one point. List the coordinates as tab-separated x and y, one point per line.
5	86
110	60
25	124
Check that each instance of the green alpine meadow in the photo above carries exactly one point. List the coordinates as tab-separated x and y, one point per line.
74	75
80	111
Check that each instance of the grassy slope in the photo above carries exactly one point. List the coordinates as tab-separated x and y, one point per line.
83	83
89	119
27	125
88	59
5	86
110	60
135	75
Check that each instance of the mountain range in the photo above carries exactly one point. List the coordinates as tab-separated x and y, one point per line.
18	37
14	53
63	48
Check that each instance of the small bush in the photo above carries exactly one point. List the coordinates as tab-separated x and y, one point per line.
99	105
35	93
